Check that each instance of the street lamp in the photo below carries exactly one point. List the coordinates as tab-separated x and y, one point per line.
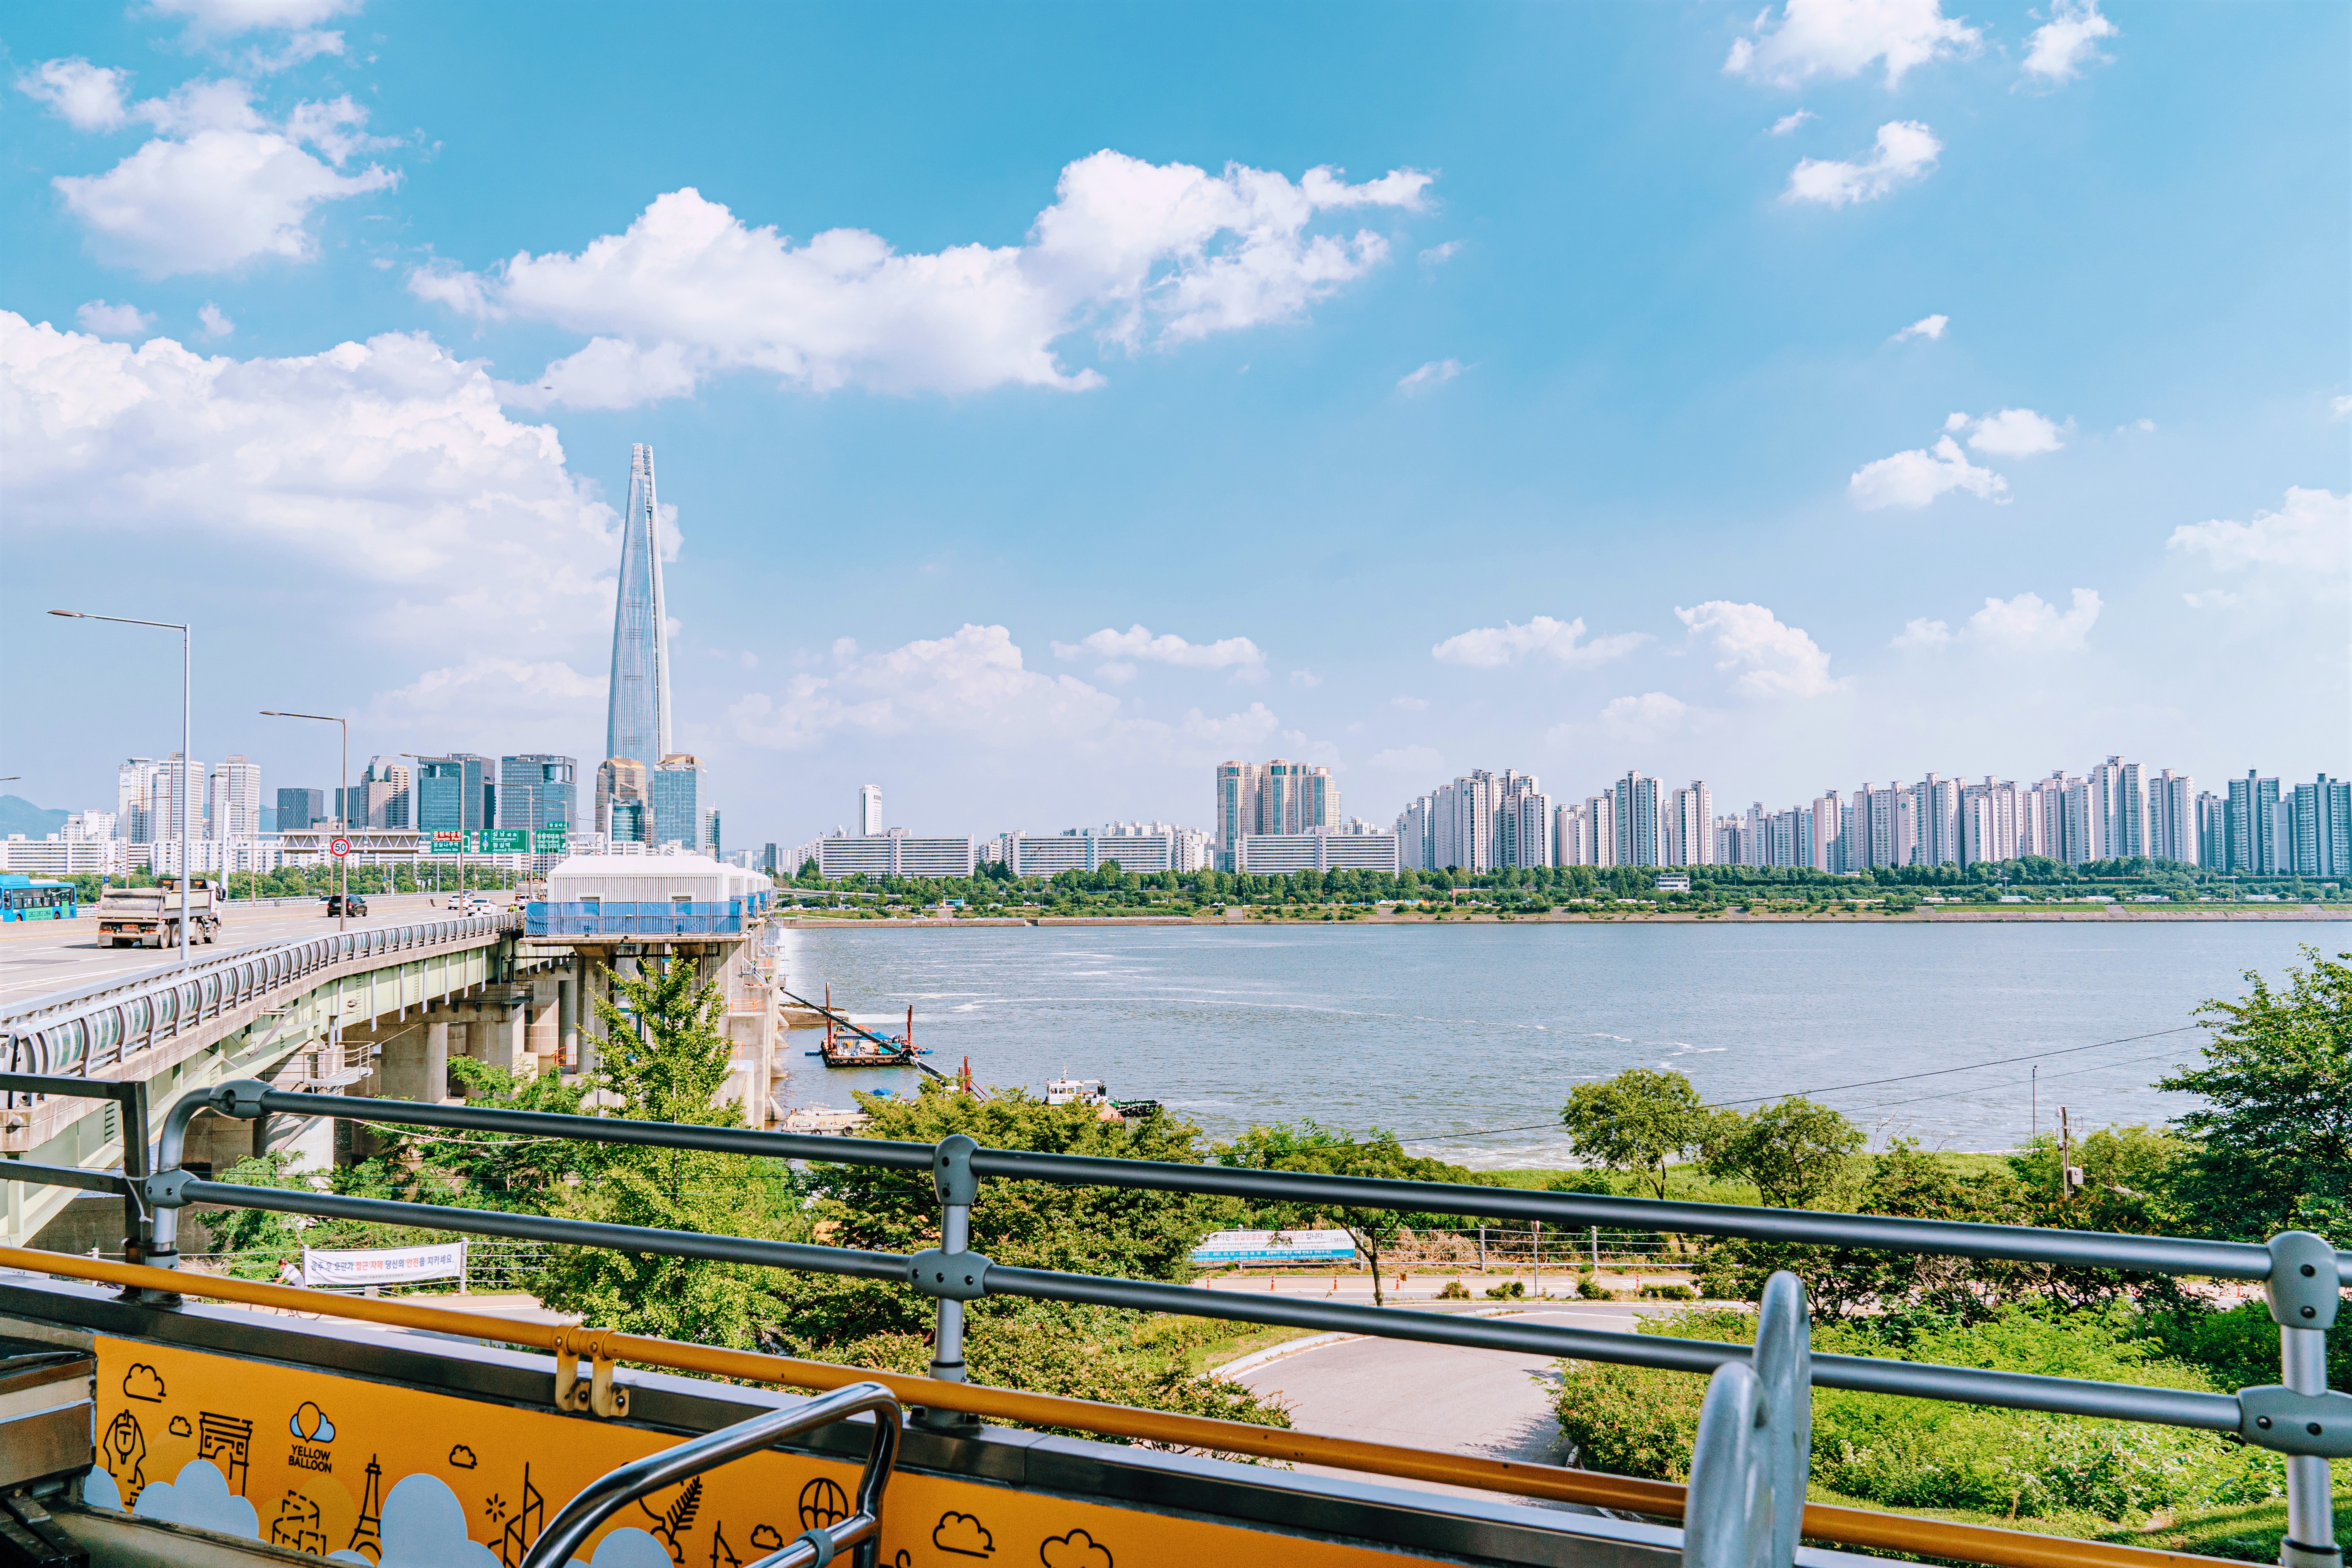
187	756
342	810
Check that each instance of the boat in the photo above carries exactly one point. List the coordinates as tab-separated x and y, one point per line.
848	1044
1067	1090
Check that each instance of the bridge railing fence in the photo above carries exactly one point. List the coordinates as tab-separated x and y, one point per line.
1744	1488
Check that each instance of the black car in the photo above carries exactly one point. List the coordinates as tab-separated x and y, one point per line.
338	904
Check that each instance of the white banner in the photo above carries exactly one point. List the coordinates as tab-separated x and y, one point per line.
1275	1247
383	1265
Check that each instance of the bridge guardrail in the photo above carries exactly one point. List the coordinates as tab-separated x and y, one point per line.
74	1033
2303	1275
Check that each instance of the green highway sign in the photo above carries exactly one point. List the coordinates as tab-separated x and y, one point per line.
448	843
550	841
504	841
554	827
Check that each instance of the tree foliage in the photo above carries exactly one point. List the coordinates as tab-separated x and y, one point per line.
1638	1122
1307	1145
2273	1137
1796	1151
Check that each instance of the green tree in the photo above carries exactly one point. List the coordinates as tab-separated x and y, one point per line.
1637	1123
1307	1145
664	1060
1795	1150
2273	1137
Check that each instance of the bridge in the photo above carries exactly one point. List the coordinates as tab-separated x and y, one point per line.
375	1004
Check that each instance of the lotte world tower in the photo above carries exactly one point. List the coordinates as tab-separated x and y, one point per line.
637	727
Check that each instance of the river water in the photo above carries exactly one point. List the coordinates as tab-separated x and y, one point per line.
1465	1039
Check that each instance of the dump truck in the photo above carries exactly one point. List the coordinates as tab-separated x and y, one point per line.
150	917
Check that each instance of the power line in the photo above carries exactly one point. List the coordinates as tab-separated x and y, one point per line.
1867	1083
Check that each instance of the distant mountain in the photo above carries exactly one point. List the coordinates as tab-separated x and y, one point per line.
18	815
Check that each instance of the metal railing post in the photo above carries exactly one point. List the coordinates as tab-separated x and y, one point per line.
1727	1514
1784	1369
2302	1293
137	1222
952	1179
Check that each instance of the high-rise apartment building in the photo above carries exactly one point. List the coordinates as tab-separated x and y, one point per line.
677	800
2322	828
2118	811
1416	834
233	799
135	784
174	787
1523	829
536	791
2212	829
1688	837
1828	832
2172	831
637	719
869	810
1276	796
2251	825
1641	841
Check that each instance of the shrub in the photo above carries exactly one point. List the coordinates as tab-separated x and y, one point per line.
1454	1292
1590	1287
1909	1453
1509	1289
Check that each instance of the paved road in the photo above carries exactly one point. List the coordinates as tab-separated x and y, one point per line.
38	957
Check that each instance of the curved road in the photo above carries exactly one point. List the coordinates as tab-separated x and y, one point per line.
1493	1403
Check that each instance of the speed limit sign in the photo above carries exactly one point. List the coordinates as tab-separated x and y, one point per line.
339	847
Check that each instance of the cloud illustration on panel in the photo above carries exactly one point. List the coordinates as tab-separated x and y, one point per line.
310	1425
99	1490
462	1457
963	1535
1076	1549
180	1427
424	1527
142	1381
628	1549
200	1497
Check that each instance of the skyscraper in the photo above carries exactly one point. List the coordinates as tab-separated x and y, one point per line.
233	799
535	791
677	801
621	798
869	810
637	719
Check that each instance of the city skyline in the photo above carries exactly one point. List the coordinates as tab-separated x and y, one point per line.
1702	426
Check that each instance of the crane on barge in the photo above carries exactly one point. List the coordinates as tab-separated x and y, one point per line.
848	1044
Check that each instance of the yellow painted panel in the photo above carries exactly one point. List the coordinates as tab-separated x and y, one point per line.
332	1464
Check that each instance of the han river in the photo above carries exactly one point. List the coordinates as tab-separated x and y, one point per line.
1464	1040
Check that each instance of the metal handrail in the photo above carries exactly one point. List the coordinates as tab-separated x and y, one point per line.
94	1026
616	1490
2076	1249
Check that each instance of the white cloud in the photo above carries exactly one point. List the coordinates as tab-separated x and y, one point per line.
464	292
228	18
1775	660
107	320
86	97
388	462
1916	478
215	320
1436	373
1437	253
1841	39
2027	623
2060	48
1410	704
488	700
1928	327
1418	760
1491	648
1143	255
1791	119
2337	407
1239	655
1305	678
2010	433
1651	714
2310	535
221	185
1905	151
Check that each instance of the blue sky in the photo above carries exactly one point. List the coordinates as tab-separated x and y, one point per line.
1883	387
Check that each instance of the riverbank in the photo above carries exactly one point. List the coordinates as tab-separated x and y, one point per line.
2106	914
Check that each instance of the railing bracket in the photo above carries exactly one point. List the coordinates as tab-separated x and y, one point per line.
596	1393
2280	1419
951	1276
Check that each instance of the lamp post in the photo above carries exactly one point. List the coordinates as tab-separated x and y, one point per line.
187	758
342	810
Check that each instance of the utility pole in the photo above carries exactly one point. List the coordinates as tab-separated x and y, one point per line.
2069	1178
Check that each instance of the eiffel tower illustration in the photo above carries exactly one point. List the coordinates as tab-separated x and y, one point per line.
367	1535
524	1527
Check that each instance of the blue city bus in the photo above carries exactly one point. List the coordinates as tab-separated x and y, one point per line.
22	899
